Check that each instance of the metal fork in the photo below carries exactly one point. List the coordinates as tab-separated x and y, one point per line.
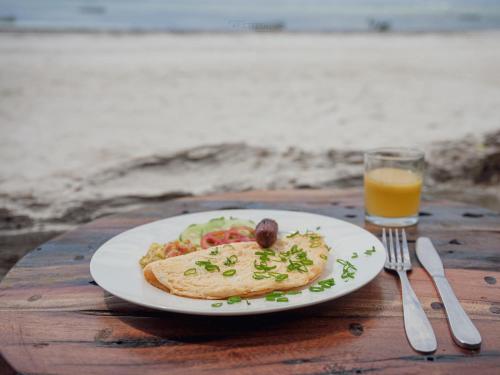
418	328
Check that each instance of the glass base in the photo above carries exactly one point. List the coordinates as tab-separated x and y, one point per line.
392	221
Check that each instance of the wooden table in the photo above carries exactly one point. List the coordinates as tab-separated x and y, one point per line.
56	320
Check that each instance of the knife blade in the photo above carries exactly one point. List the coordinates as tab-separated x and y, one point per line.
463	331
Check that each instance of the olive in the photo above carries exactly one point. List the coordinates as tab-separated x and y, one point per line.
266	232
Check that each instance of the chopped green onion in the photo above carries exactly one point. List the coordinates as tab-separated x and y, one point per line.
215	251
263	267
328	283
233	299
229	272
191	271
275	294
370	251
281	277
296	233
208	265
316	289
231	260
323	256
270	298
282	299
354	255
217	304
202	263
348	269
260	276
293	292
212	268
296	266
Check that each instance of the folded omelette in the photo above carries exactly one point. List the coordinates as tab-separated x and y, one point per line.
241	269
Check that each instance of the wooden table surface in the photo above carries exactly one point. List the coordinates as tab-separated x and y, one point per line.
56	320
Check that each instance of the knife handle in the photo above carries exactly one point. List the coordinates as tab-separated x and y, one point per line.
462	329
417	326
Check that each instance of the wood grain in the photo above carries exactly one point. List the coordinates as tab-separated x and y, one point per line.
56	320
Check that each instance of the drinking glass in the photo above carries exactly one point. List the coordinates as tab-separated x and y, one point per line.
393	185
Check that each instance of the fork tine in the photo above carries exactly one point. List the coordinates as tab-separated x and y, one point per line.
391	248
384	241
406	252
398	250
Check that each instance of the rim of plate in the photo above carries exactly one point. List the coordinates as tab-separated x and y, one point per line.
327	295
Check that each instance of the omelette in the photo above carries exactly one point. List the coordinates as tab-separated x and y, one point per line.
242	269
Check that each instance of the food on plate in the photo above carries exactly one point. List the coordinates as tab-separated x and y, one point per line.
162	251
242	268
266	232
237	229
217	231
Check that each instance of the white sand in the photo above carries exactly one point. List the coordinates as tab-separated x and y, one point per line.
72	106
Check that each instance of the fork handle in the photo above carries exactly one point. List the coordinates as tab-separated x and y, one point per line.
417	326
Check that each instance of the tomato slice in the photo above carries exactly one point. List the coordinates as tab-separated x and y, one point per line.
232	236
213	239
244	231
235	234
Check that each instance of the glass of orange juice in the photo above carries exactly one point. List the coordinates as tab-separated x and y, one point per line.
393	183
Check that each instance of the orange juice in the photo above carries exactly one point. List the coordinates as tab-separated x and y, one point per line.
392	192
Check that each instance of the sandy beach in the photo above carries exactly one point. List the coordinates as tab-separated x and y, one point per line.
93	122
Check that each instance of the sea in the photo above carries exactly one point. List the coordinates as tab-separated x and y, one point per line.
250	15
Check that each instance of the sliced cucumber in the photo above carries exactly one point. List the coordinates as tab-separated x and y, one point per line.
217	223
194	232
235	222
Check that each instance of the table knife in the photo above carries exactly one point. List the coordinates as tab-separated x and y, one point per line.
463	331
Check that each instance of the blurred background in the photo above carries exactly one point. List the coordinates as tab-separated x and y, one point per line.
107	105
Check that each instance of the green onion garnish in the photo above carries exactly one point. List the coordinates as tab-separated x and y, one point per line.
263	267
282	299
231	260
348	269
323	256
293	292
212	268
229	272
354	255
281	277
233	299
370	251
191	271
260	276
328	283
296	233
202	263
275	294
217	304
316	289
208	265
215	251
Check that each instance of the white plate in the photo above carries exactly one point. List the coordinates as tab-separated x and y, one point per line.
115	266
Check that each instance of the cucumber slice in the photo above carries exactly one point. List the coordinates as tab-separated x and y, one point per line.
235	222
194	232
217	223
